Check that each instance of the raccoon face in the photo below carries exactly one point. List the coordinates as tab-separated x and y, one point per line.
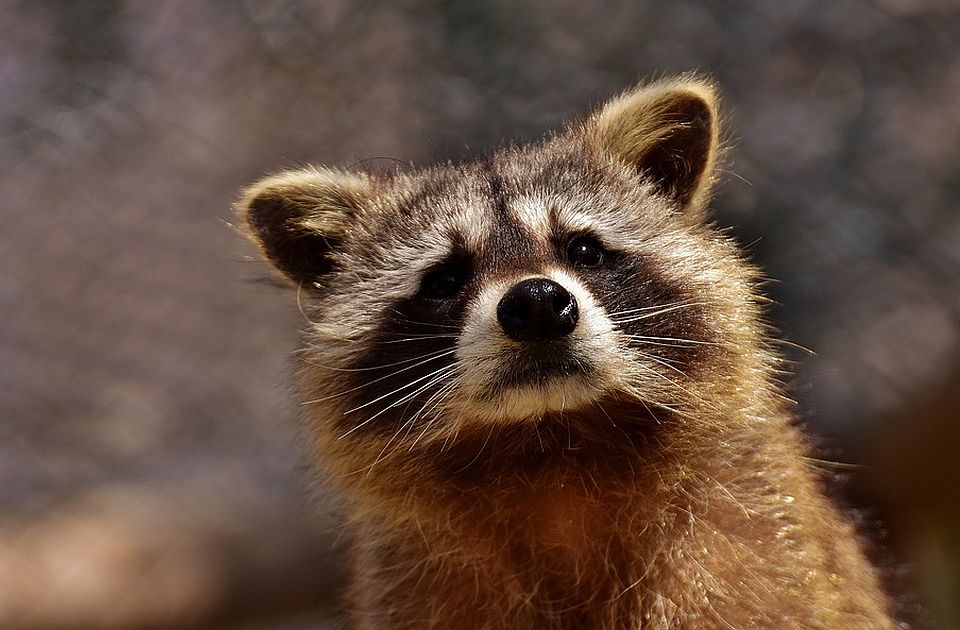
539	282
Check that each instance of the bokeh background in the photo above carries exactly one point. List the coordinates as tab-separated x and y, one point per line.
151	474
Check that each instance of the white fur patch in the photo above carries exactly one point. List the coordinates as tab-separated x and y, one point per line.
616	229
483	352
473	226
533	213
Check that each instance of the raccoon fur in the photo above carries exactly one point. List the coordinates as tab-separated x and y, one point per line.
544	387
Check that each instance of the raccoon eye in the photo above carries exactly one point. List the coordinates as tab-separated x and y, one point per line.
442	283
584	251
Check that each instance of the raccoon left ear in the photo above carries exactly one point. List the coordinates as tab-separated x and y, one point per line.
300	218
667	131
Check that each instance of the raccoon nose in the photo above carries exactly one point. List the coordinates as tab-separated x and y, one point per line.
537	309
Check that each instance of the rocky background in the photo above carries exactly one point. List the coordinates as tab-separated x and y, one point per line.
150	468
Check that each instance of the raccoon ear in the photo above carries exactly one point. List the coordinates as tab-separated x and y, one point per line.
668	131
298	218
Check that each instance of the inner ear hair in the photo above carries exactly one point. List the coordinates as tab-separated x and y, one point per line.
299	218
669	132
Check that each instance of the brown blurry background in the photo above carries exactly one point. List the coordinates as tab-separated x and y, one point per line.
150	470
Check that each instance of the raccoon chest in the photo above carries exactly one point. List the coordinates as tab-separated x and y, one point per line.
562	527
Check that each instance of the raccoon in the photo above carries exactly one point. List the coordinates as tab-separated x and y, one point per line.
544	386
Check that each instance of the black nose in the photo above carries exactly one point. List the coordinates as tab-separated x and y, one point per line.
537	309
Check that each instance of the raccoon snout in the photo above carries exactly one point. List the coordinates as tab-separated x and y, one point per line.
537	309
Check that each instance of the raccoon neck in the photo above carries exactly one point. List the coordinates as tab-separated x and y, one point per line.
584	534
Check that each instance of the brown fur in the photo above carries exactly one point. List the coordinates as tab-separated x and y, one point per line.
664	487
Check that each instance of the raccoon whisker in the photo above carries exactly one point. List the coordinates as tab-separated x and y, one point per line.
300	305
408	425
399	389
432	324
380	367
827	464
647	308
378	379
426	427
604	411
456	432
795	346
380	455
678	340
672	409
452	436
426	328
436	398
440	376
614	424
411	396
666	378
420	338
446	442
402	400
662	311
662	362
662	344
650	411
445	393
479	452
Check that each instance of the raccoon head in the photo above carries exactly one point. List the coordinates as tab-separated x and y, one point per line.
531	286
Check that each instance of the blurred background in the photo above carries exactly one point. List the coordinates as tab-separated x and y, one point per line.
151	474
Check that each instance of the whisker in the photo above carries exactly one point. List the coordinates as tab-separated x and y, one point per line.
650	411
303	313
398	389
452	437
435	396
402	400
604	412
377	380
479	452
646	308
408	425
444	393
677	340
662	311
413	321
678	386
662	362
438	398
380	367
420	338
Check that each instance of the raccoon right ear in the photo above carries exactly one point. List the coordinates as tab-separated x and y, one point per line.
668	131
298	218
